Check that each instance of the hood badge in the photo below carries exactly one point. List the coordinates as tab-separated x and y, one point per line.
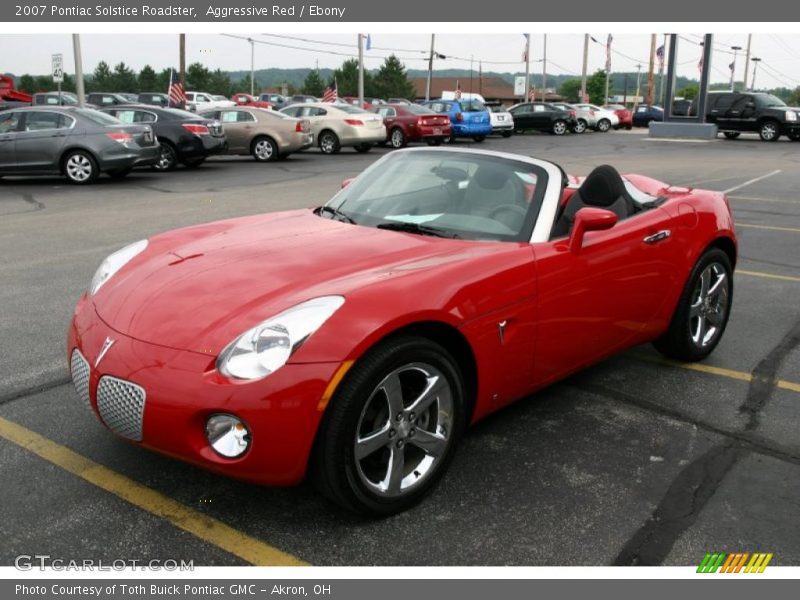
104	350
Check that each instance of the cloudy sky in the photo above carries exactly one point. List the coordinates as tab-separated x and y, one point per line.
30	53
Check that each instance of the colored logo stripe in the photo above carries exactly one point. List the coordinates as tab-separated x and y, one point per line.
735	562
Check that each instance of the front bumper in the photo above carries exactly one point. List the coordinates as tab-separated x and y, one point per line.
181	389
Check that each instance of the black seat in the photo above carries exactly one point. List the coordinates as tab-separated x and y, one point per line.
602	188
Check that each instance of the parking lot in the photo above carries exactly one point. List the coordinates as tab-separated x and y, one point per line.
635	461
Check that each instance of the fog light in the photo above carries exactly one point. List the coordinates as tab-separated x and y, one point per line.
227	435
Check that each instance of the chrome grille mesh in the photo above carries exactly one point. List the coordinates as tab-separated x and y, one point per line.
79	368
121	406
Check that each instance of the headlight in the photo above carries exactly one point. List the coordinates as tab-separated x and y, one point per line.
267	347
791	115
227	435
114	263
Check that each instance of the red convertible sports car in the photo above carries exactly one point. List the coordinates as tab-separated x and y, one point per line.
355	341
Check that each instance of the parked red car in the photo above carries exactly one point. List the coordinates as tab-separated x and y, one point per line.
625	115
243	99
413	123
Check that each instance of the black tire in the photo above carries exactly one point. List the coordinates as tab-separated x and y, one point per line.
168	157
479	138
678	342
559	127
507	133
80	167
731	135
397	138
337	472
362	148
329	142
120	173
769	130
450	140
264	149
603	125
580	126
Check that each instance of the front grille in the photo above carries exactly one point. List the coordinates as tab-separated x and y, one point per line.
121	406
79	368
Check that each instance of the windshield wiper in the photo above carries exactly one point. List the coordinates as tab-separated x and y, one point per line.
335	214
417	228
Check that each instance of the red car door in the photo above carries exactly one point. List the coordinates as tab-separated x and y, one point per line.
608	295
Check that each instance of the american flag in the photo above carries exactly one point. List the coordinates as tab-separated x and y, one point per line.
700	66
176	93
532	94
458	90
330	94
608	53
660	55
732	66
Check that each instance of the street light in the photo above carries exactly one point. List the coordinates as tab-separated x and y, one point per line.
755	68
733	66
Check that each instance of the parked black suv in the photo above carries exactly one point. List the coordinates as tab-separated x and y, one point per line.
765	114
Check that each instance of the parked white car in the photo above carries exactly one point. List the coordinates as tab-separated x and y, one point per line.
502	120
200	101
606	119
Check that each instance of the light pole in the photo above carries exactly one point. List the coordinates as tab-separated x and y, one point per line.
76	49
585	65
755	68
430	70
733	67
252	66
638	86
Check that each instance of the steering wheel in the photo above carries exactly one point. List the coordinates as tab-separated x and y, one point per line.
517	210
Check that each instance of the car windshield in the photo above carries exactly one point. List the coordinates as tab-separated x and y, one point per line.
770	100
97	117
472	106
445	193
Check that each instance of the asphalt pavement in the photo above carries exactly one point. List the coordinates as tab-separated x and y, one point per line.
636	460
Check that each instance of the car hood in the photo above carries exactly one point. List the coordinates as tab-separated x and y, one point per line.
198	288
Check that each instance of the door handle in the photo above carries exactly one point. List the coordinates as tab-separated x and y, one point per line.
657	237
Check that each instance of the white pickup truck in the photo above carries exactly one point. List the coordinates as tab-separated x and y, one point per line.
198	101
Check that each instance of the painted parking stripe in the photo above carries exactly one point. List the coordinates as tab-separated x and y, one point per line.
712	370
770	227
773	200
202	526
766	275
751	182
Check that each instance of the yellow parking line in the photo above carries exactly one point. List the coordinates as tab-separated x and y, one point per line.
767	275
711	370
773	200
769	227
202	526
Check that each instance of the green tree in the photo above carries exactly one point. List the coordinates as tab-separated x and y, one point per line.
571	90
391	81
313	84
689	92
794	99
346	78
27	83
123	79
220	83
147	79
162	81
197	77
243	85
596	87
102	79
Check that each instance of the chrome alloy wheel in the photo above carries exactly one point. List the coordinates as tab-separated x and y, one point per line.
264	150
398	139
79	168
166	158
327	143
580	126
710	301
559	128
404	429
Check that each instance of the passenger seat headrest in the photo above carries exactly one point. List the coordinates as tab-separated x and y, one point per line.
602	187
491	178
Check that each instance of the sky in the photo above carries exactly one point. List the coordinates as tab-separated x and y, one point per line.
30	53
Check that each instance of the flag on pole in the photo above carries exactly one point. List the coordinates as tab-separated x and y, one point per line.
330	94
458	90
660	56
369	42
176	93
732	66
700	66
532	94
608	53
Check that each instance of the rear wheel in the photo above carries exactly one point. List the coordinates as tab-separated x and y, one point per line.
264	149
580	126
731	135
559	127
703	309
80	167
603	125
329	142
398	138
770	131
167	158
391	429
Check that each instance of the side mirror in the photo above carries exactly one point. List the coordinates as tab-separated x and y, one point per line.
346	182
589	219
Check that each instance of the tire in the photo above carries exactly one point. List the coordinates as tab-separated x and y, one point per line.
769	130
731	135
507	134
168	157
120	173
702	313
397	138
603	125
361	409
80	167
329	142
362	148
559	127
580	126
479	138
436	142
264	149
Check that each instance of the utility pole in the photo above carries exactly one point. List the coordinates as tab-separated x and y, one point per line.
608	68
650	82
585	66
430	71
625	91
733	69
76	49
527	92
252	66
747	59
638	86
361	70
182	52
544	69
661	71
755	68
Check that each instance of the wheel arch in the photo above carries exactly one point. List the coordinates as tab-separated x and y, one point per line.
727	245
260	136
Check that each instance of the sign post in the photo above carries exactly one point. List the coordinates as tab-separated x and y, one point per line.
58	73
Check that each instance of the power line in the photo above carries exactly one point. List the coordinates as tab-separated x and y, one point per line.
339	44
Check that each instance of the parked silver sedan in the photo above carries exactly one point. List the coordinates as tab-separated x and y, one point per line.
585	118
606	119
337	125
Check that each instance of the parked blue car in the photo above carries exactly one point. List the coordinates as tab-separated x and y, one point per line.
644	115
469	118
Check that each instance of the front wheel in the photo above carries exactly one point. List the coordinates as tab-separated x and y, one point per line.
559	127
603	125
391	428
580	126
769	131
703	309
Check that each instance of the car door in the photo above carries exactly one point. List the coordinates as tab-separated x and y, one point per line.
605	296
39	144
542	117
235	131
523	116
717	110
741	114
390	117
9	126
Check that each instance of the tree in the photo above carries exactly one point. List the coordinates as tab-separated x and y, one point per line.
27	83
243	85
392	81
220	83
794	99
571	90
313	84
197	77
346	78
689	92
123	79
162	81
147	80
102	78
596	87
